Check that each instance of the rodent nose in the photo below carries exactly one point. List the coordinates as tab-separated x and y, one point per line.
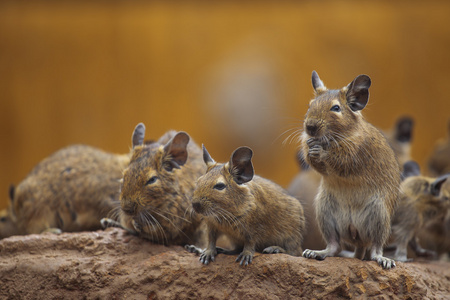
196	206
311	129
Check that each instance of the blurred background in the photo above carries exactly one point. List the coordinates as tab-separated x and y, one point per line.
229	74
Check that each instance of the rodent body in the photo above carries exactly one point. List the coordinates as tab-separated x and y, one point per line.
419	205
435	234
254	213
157	188
360	174
69	191
305	184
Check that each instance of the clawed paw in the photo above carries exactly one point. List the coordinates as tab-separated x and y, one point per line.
312	142
206	256
273	250
193	249
314	151
385	262
312	254
245	258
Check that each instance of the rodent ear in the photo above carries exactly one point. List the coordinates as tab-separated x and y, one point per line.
241	167
403	129
206	157
138	135
176	148
358	92
12	191
317	83
435	188
410	168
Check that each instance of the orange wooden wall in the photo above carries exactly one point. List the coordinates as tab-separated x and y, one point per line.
229	74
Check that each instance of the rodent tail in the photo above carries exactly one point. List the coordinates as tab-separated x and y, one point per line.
228	252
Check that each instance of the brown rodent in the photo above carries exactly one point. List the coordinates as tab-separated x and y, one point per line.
71	190
306	183
254	213
439	161
435	235
360	174
155	197
420	203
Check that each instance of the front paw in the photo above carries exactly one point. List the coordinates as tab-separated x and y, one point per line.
319	255
207	256
245	258
193	249
315	151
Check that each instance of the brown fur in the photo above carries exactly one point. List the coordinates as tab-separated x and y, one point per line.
439	161
417	207
157	188
435	235
255	213
306	183
70	190
360	173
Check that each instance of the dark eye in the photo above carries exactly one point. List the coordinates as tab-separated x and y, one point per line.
3	219
336	108
219	186
152	180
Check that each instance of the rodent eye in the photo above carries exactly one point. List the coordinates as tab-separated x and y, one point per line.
3	219
152	180
219	186
336	108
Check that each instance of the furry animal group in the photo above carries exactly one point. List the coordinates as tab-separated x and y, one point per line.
350	199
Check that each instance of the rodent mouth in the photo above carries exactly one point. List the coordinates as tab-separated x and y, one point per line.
198	208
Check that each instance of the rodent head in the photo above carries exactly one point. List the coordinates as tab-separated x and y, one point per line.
434	191
150	187
222	190
336	112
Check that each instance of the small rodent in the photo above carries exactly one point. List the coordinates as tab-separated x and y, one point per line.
306	183
71	190
360	182
254	213
158	183
420	203
439	161
435	234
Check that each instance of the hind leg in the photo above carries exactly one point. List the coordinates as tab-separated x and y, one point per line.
326	208
376	254
414	244
360	252
332	249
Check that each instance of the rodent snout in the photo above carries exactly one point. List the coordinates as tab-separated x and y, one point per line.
312	128
197	207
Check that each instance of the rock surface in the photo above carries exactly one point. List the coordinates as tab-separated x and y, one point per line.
113	265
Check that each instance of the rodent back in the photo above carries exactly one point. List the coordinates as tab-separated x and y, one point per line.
76	180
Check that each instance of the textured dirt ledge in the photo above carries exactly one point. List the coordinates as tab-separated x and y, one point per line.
113	265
